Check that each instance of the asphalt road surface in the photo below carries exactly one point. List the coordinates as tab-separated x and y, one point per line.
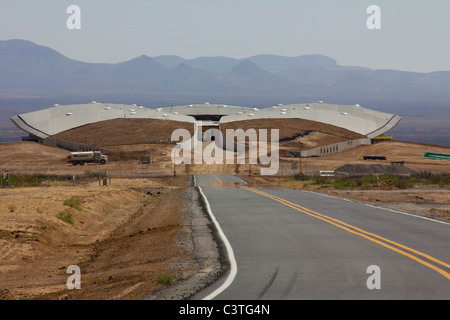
291	244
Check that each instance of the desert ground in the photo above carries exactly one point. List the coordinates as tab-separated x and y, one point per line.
30	157
133	237
130	240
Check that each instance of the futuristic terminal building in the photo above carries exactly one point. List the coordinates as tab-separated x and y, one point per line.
45	123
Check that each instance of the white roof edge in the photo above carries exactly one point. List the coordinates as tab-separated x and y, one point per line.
46	122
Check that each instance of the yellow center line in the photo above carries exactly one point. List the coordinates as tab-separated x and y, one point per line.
361	233
358	229
217	178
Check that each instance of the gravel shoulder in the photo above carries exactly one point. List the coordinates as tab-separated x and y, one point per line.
205	247
126	236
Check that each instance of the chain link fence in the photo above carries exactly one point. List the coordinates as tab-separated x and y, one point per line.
11	178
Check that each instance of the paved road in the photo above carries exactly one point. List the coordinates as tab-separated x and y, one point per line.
291	244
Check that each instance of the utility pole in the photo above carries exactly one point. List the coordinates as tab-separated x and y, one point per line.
300	160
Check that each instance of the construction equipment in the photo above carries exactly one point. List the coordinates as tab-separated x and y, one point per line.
87	157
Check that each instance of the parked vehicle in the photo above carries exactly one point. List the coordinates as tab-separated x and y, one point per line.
87	157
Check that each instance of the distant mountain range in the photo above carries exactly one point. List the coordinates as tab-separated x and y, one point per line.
27	68
32	76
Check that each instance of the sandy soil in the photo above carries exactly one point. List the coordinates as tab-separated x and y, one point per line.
394	151
289	128
123	132
124	237
29	157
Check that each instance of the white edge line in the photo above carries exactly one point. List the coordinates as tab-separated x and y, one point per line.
379	207
232	259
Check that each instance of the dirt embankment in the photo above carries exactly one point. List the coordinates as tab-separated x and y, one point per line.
139	131
411	154
30	155
129	239
298	133
132	141
123	132
294	134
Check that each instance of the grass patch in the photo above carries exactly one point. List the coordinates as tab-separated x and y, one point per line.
386	182
66	217
289	179
74	203
39	180
164	279
301	177
372	181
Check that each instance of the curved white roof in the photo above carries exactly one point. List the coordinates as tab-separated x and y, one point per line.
364	121
59	118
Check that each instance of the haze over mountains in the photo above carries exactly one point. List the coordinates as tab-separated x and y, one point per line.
34	76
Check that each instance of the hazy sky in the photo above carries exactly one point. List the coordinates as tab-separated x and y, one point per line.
414	34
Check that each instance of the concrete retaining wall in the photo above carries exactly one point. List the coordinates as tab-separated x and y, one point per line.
335	147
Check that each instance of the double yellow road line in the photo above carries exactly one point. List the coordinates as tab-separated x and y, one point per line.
392	245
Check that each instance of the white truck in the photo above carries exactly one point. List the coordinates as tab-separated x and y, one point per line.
87	157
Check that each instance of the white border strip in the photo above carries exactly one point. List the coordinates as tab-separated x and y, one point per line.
378	207
232	259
